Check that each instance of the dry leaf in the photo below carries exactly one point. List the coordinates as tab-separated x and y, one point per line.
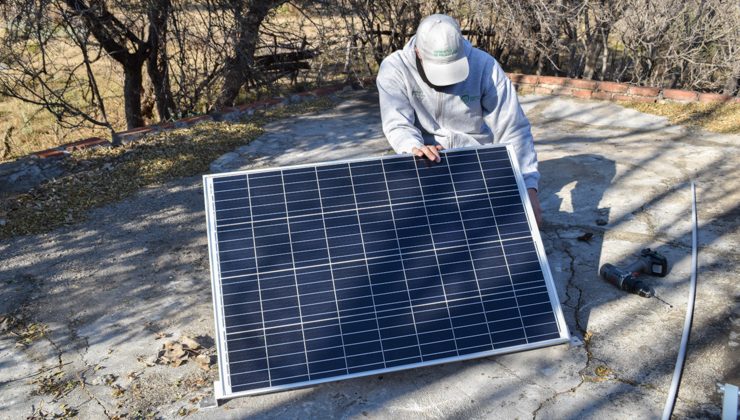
203	361
190	343
109	378
117	391
148	361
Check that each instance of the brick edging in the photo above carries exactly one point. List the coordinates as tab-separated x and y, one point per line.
610	91
225	114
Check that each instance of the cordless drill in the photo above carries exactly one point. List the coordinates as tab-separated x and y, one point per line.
650	262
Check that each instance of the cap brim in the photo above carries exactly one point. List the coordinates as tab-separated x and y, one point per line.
448	73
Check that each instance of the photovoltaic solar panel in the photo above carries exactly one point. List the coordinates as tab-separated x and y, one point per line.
331	271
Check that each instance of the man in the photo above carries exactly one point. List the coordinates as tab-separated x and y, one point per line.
439	93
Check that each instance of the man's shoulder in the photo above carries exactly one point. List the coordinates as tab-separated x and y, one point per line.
392	67
394	59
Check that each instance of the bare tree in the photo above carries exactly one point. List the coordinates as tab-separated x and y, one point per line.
36	70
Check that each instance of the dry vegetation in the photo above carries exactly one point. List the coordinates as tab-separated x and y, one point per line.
716	117
103	175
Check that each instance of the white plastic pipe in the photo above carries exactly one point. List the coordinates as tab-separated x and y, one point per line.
671	401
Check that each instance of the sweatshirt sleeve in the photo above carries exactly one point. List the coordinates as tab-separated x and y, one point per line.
507	121
396	111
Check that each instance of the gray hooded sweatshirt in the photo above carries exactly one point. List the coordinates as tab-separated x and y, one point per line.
483	109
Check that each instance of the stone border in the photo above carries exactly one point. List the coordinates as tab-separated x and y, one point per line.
524	83
610	91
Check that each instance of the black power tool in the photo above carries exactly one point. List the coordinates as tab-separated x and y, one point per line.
650	262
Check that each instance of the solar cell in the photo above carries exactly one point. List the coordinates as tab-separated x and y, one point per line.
345	269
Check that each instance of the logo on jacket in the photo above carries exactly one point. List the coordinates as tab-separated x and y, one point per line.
469	98
417	94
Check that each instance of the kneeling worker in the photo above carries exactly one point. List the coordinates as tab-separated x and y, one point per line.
439	92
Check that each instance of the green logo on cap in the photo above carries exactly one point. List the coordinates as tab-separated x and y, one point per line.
444	53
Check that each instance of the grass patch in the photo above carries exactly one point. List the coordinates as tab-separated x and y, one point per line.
716	117
96	177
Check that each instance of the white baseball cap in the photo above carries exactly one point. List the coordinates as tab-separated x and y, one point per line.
440	46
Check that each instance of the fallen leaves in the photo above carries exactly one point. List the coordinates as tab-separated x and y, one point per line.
55	384
25	334
176	353
117	391
66	412
7	323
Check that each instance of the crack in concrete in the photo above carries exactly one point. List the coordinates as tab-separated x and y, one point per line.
581	329
587	337
83	385
523	380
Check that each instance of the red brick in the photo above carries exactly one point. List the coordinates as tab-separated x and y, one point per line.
643	91
165	126
679	95
195	119
582	93
539	90
601	95
49	153
245	107
85	143
523	79
140	130
714	97
629	98
266	103
552	80
562	91
612	87
328	90
581	84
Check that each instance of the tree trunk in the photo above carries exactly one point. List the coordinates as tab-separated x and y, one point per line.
239	68
132	87
157	62
159	76
113	36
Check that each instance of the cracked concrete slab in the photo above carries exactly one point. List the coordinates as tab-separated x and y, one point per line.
109	291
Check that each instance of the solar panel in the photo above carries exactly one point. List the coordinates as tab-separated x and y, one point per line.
345	269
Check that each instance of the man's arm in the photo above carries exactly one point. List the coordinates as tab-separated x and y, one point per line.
396	111
509	125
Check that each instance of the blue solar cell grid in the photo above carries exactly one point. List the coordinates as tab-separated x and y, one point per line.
338	270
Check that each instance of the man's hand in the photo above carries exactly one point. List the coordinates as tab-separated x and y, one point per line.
535	205
431	152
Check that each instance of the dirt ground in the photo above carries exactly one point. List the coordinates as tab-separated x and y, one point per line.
112	317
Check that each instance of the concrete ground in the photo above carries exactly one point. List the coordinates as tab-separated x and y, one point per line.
91	305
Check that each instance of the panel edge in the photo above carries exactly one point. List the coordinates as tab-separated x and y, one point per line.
539	246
